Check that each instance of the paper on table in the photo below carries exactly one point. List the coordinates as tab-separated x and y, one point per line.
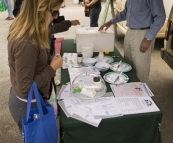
64	92
69	59
84	114
135	105
108	94
136	89
61	104
149	91
60	91
105	107
71	105
79	109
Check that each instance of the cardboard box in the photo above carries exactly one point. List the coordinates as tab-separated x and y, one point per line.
103	41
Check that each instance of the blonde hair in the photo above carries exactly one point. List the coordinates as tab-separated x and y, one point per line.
32	23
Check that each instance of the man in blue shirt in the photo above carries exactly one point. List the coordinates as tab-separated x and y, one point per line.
144	20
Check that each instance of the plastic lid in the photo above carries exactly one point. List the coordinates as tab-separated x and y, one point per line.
84	86
80	55
96	79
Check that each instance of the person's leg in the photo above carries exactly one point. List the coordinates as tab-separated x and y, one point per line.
140	61
9	6
6	4
127	48
10	9
17	6
18	109
94	16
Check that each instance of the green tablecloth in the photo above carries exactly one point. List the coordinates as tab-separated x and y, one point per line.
137	128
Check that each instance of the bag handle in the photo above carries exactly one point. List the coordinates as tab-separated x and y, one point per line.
29	96
37	93
39	101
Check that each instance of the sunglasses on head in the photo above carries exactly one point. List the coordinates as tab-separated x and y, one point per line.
55	13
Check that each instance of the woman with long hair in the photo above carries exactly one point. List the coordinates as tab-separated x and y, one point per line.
28	53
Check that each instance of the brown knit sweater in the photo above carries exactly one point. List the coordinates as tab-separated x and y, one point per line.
28	62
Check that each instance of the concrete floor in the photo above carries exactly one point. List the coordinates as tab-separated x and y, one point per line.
160	83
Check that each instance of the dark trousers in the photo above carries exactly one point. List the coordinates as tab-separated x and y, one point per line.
94	16
18	109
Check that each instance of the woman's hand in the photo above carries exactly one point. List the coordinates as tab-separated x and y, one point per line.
56	62
75	22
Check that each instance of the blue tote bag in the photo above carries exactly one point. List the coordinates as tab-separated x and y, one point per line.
39	126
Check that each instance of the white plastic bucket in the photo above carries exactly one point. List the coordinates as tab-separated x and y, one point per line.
87	50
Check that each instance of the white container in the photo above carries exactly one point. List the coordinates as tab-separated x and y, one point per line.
87	50
103	41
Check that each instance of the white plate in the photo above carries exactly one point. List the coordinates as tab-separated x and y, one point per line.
102	66
106	59
89	61
111	76
124	67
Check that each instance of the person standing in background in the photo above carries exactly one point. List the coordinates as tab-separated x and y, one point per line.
94	11
144	20
9	6
17	7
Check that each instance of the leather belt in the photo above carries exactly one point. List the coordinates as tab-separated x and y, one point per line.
140	28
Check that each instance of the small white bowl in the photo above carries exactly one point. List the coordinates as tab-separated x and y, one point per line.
89	61
102	66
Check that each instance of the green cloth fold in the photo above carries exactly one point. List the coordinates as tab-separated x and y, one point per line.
2	6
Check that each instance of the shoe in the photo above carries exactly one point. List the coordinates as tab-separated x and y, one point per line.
9	18
6	18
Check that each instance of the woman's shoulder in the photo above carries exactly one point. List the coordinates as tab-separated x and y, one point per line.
23	46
